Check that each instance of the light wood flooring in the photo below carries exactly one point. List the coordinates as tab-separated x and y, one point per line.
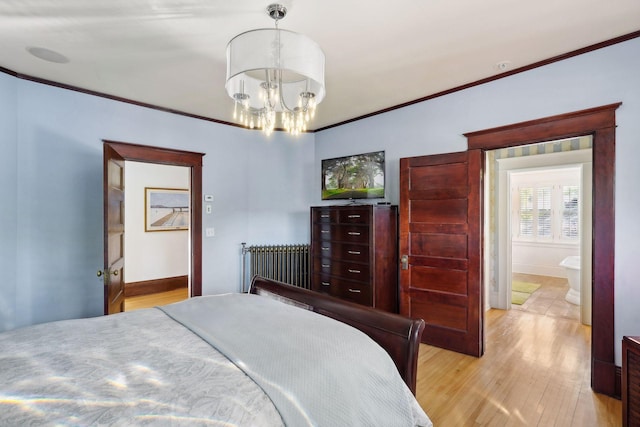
152	300
535	370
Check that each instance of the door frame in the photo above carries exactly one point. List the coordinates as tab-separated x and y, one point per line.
600	123
192	160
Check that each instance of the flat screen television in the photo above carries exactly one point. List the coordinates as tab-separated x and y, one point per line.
360	176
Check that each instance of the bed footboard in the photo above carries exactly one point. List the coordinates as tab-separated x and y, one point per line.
398	335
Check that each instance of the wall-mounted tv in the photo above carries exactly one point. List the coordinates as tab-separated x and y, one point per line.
360	176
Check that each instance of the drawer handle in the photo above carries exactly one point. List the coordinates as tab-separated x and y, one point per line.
354	271
354	216
324	231
324	216
324	249
354	291
325	266
325	283
353	233
354	252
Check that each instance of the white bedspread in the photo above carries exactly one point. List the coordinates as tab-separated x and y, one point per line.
317	371
130	369
144	368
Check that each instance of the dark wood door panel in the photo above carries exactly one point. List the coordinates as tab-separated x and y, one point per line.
443	211
448	175
439	279
436	160
440	224
113	199
439	310
443	245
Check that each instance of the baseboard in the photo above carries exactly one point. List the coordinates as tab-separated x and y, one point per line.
146	287
539	270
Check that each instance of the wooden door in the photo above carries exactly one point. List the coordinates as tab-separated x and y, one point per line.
441	246
113	193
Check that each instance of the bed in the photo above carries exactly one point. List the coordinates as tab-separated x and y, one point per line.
278	355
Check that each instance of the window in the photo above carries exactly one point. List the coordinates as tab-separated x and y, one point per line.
547	212
570	215
544	212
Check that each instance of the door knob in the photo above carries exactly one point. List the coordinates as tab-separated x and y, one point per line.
405	262
106	273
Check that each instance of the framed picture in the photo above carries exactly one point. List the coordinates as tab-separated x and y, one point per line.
166	209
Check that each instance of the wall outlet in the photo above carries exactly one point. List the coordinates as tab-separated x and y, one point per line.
210	232
208	209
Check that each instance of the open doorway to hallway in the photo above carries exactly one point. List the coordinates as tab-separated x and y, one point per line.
156	238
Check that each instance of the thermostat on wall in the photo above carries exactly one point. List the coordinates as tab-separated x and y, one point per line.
208	198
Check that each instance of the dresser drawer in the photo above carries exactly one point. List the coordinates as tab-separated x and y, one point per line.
341	251
346	270
322	283
354	216
355	292
342	233
324	216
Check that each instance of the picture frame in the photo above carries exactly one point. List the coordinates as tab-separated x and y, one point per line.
166	209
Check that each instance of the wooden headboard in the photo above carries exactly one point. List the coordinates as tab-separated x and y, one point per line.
398	335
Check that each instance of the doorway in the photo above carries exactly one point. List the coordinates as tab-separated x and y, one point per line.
598	122
164	156
542	215
156	241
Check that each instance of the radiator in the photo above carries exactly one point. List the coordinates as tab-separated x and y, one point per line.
285	263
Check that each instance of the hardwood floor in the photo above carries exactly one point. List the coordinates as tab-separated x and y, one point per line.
152	300
535	372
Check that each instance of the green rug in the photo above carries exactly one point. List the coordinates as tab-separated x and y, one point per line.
521	291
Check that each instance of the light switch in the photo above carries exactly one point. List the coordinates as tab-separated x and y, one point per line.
208	209
209	231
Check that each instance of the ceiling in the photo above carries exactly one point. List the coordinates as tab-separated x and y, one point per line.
379	54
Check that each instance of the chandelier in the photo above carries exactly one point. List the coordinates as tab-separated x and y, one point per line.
275	74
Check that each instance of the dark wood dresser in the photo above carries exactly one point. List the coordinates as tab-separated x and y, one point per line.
354	253
630	381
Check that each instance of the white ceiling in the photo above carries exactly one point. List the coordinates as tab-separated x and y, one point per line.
171	53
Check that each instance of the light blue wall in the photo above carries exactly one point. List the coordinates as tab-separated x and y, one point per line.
598	78
8	200
52	194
